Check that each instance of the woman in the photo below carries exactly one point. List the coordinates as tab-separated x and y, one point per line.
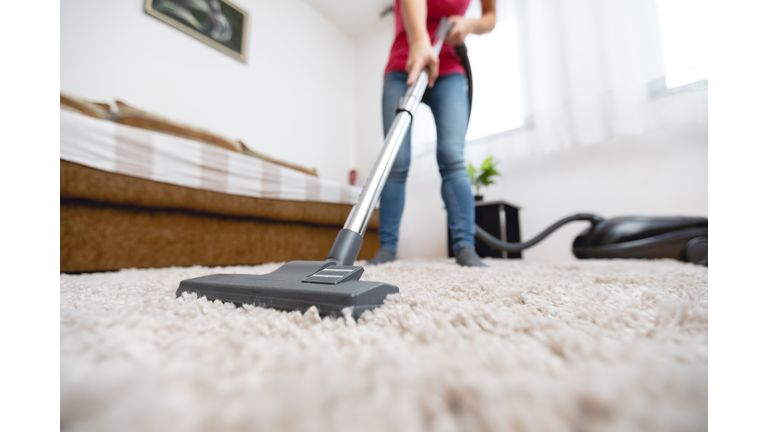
415	23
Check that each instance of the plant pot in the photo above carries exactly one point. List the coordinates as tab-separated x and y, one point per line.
478	198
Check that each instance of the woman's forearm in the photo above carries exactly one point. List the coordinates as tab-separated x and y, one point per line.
487	20
420	54
484	24
414	13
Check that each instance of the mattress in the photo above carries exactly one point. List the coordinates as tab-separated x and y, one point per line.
116	148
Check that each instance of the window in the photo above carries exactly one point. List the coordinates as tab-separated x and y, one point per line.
684	39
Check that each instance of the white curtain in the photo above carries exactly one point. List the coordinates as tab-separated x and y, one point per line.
588	67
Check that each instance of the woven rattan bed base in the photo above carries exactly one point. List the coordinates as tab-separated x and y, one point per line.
111	221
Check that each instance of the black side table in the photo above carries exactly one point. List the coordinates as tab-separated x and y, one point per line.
501	220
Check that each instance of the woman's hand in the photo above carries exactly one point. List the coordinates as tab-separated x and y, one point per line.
461	28
420	56
464	26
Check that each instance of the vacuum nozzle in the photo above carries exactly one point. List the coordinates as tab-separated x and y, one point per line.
346	247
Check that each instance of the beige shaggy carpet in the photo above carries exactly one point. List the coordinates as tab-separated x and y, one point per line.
520	346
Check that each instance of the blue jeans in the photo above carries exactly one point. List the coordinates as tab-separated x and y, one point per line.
448	101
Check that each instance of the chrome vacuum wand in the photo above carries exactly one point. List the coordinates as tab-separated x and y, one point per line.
350	238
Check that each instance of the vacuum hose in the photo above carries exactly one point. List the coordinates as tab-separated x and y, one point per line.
517	247
461	50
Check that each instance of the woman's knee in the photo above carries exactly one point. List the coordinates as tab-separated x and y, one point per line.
450	159
453	170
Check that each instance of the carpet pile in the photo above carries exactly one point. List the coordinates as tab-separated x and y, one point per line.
520	346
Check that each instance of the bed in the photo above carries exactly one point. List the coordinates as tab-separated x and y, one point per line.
134	197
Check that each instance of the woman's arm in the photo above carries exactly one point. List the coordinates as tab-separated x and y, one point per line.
464	26
420	53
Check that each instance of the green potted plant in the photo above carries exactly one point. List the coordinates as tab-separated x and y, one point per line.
483	176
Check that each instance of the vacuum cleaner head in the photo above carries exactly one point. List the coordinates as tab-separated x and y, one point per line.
296	285
682	238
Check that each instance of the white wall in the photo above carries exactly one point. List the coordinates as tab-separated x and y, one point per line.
372	53
293	99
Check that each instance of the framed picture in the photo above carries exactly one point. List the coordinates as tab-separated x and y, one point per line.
219	23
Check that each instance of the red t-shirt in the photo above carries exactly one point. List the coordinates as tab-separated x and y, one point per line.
436	9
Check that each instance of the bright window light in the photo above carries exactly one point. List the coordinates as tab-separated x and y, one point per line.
497	104
684	26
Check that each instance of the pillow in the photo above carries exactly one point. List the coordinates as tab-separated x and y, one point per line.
135	117
82	106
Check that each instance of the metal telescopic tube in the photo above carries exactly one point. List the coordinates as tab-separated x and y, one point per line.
362	211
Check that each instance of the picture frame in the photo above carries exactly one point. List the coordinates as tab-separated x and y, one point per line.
218	23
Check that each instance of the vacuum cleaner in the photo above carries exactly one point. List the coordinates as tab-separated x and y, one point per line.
332	285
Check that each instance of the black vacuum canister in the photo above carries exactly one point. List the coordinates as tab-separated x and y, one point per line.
682	238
